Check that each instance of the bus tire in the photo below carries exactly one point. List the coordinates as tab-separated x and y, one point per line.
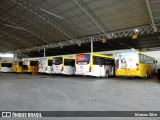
107	74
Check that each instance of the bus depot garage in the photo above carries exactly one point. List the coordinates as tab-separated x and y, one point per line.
81	57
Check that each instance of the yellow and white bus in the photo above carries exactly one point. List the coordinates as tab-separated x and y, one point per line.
92	64
64	65
5	66
45	65
29	65
134	63
17	66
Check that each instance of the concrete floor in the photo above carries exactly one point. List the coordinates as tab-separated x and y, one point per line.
24	92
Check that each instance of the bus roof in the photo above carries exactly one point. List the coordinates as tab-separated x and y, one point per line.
29	60
99	55
145	54
65	57
50	58
5	62
135	51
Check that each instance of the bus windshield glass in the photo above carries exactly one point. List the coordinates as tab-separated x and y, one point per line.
50	62
9	65
20	63
69	62
25	62
58	60
83	59
33	63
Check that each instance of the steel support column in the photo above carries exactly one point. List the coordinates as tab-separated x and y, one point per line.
151	15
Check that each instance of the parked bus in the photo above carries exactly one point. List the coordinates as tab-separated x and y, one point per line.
92	64
45	65
5	67
30	65
17	66
63	65
134	63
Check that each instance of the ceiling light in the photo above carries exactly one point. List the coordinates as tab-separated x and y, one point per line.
13	26
52	13
136	30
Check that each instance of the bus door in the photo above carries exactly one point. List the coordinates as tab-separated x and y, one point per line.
25	64
69	65
109	66
49	69
101	67
98	66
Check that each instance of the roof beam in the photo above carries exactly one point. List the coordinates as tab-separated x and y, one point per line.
151	15
28	29
91	15
112	35
41	14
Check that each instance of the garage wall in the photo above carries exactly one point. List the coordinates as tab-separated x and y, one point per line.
155	54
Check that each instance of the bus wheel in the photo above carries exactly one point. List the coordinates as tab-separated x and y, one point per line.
107	74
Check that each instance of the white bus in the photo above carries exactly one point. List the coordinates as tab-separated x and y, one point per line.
63	65
6	67
45	65
92	64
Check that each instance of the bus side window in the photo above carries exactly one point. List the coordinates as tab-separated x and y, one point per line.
95	60
111	62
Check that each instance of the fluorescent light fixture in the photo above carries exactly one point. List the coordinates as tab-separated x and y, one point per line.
6	55
136	30
52	13
13	26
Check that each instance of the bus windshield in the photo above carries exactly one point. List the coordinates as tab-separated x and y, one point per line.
9	65
57	60
50	62
69	62
33	63
25	62
83	59
20	63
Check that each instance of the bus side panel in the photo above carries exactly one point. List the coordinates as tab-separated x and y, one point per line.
146	68
19	69
97	70
33	68
14	68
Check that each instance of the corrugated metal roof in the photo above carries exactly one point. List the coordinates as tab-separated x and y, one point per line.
113	14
